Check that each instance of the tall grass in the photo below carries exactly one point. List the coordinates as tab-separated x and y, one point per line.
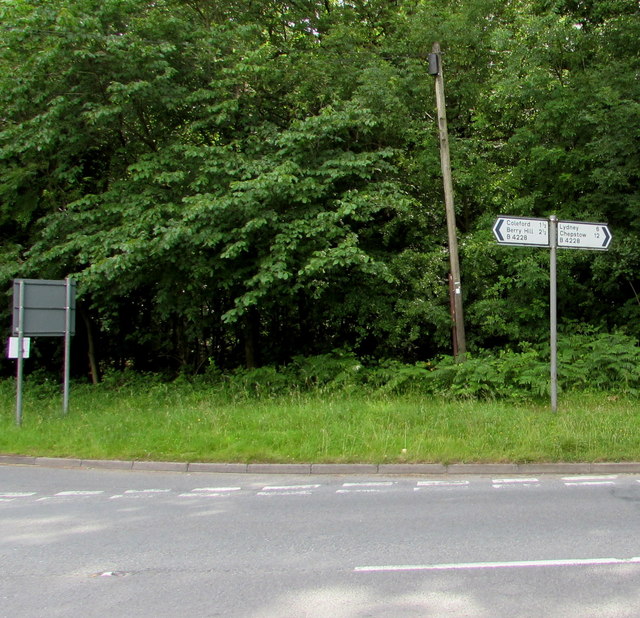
144	418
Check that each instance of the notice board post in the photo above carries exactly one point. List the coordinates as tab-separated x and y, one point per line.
20	362
43	307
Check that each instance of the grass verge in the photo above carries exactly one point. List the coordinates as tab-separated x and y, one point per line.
186	422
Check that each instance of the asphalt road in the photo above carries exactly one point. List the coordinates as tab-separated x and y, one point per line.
111	543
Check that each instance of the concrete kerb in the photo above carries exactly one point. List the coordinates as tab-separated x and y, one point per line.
432	469
58	462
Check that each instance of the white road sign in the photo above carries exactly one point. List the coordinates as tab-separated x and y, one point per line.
13	349
522	231
583	235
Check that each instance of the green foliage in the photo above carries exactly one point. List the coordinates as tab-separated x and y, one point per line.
600	361
593	361
256	182
586	362
508	374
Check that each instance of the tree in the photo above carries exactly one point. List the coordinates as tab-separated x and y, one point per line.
244	182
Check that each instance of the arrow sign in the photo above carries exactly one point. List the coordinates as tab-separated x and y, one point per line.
522	231
583	235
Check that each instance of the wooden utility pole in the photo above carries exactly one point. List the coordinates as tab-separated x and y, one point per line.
459	341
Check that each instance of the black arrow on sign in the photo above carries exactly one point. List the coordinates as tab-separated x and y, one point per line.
496	229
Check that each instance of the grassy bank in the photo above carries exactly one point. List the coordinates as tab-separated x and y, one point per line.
193	422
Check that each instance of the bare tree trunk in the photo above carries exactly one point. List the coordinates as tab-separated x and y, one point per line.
251	331
91	350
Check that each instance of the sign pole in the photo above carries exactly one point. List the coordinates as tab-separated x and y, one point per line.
553	234
67	346
20	370
553	309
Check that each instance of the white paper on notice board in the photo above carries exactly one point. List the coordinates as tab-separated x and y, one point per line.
12	350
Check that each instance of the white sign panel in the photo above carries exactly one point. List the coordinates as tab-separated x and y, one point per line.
12	350
522	231
583	235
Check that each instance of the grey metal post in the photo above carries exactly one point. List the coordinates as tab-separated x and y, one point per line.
67	346
553	309
20	370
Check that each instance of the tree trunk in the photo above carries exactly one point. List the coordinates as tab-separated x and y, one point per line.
91	351
251	331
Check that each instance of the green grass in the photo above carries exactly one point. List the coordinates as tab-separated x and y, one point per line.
200	422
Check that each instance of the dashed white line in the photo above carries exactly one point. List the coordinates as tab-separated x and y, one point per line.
359	491
288	487
288	490
205	495
370	484
147	491
79	493
216	489
17	494
307	489
140	493
515	482
599	477
590	481
210	492
431	484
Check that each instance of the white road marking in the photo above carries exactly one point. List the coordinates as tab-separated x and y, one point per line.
79	493
216	489
600	477
347	487
223	494
295	492
358	491
210	492
443	483
147	491
464	566
513	481
370	484
140	493
17	494
288	487
590	483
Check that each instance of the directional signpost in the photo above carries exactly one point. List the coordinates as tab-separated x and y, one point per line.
522	231
530	232
583	235
554	234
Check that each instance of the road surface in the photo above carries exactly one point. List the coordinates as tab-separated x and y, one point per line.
112	543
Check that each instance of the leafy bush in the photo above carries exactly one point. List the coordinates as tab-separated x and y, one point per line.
592	361
337	369
507	374
599	361
586	361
